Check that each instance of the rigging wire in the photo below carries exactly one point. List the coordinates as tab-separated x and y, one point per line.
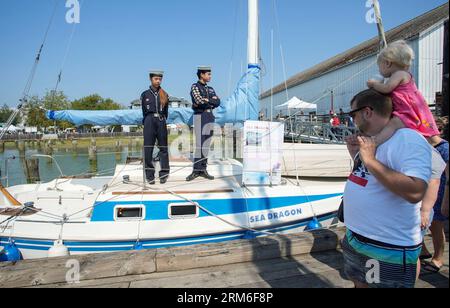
66	54
283	64
31	76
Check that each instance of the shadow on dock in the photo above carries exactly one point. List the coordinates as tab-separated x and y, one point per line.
288	270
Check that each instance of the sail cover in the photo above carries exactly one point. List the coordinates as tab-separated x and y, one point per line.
243	105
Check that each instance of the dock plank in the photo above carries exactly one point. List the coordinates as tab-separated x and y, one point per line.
310	260
51	271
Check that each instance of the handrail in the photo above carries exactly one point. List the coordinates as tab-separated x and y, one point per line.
9	197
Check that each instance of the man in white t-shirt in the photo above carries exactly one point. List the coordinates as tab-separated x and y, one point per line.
382	199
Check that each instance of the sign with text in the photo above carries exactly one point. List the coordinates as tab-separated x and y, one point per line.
263	144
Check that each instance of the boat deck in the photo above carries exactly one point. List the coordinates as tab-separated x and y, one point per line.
309	260
228	179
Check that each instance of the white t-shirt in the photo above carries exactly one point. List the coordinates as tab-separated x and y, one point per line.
373	211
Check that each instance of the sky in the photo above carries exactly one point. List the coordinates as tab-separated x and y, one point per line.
117	42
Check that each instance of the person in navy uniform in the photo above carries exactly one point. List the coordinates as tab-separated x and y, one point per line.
204	101
155	108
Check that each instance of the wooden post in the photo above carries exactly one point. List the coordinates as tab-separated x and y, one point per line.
32	170
93	158
48	150
93	166
92	153
21	145
2	147
118	150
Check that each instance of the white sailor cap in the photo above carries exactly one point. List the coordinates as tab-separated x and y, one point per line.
156	73
204	68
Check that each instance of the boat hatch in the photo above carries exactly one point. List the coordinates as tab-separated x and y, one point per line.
127	213
183	211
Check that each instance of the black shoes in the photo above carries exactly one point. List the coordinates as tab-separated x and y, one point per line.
163	180
207	176
203	174
193	176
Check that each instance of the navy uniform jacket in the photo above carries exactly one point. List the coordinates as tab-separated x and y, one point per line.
151	103
200	92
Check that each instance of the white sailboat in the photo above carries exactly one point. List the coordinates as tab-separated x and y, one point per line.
116	213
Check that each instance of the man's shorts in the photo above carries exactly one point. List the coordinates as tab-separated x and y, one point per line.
379	265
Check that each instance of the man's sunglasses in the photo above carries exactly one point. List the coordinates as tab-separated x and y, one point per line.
354	112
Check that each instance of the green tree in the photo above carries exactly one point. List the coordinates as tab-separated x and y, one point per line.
6	112
35	113
36	110
95	102
56	101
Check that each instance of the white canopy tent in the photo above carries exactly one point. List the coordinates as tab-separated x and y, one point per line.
296	103
12	129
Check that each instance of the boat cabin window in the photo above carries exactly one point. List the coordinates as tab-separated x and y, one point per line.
183	211
126	213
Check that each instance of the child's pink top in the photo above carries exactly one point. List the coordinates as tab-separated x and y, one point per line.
411	107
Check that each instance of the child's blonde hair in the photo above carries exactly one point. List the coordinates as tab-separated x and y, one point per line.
399	53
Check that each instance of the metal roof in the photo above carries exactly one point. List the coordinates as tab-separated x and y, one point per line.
406	31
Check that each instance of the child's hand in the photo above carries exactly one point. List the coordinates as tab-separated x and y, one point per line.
372	82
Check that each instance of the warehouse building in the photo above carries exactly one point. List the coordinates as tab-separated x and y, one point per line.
332	83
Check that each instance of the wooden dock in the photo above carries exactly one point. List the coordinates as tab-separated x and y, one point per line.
308	260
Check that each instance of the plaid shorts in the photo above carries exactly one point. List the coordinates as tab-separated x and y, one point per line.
379	265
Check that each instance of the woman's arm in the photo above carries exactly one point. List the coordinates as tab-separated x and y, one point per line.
429	201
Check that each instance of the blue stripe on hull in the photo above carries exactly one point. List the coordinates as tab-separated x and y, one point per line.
157	210
115	246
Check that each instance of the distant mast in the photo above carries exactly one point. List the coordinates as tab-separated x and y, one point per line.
253	33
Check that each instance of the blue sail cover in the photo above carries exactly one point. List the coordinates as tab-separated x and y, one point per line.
241	106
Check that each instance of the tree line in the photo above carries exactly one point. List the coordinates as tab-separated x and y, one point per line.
34	110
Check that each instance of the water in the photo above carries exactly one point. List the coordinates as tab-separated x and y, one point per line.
71	161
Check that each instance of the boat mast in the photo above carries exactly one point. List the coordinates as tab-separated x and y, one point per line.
379	20
253	33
